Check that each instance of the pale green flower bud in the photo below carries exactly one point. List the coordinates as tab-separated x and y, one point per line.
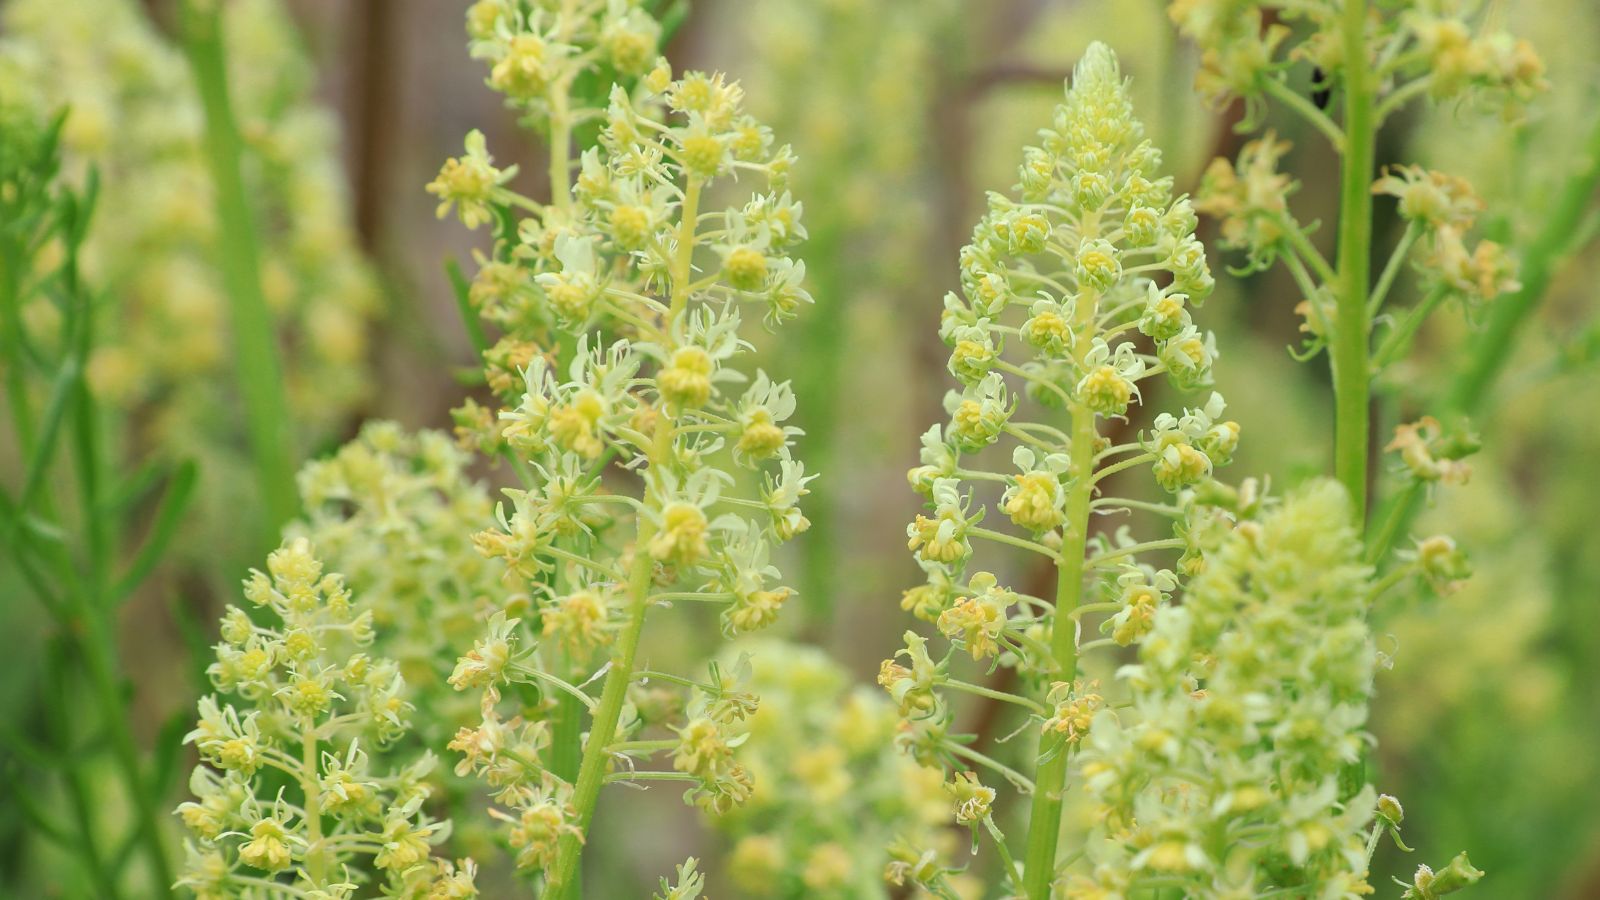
1097	265
1048	330
1429	885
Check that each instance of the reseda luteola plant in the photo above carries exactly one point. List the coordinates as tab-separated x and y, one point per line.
1095	251
620	305
657	398
548	62
1379	59
1375	61
288	800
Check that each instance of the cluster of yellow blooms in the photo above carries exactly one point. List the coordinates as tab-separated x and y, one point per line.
655	470
290	798
1095	251
394	512
1248	701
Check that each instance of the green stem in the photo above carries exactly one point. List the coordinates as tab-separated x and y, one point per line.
1044	822
99	642
1005	852
993	694
78	792
315	851
1307	110
563	876
592	771
1351	378
560	151
102	674
259	372
1016	779
1392	269
1398	341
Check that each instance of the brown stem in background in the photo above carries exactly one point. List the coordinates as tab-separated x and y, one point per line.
375	51
1004	74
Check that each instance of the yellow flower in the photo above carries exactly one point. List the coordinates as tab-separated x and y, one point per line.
1035	501
746	268
682	535
268	848
686	380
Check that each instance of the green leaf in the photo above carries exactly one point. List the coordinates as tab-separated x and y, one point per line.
44	446
168	515
469	317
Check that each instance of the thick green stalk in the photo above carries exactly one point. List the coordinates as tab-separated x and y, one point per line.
316	853
592	772
1351	375
566	739
1044	819
259	372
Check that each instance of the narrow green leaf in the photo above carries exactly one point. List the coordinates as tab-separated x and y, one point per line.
168	515
44	446
469	317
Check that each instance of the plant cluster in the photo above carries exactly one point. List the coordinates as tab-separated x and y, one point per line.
1123	677
1094	252
655	471
1247	702
394	512
81	534
289	789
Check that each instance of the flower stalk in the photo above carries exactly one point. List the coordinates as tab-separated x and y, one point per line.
260	373
1044	819
1352	379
